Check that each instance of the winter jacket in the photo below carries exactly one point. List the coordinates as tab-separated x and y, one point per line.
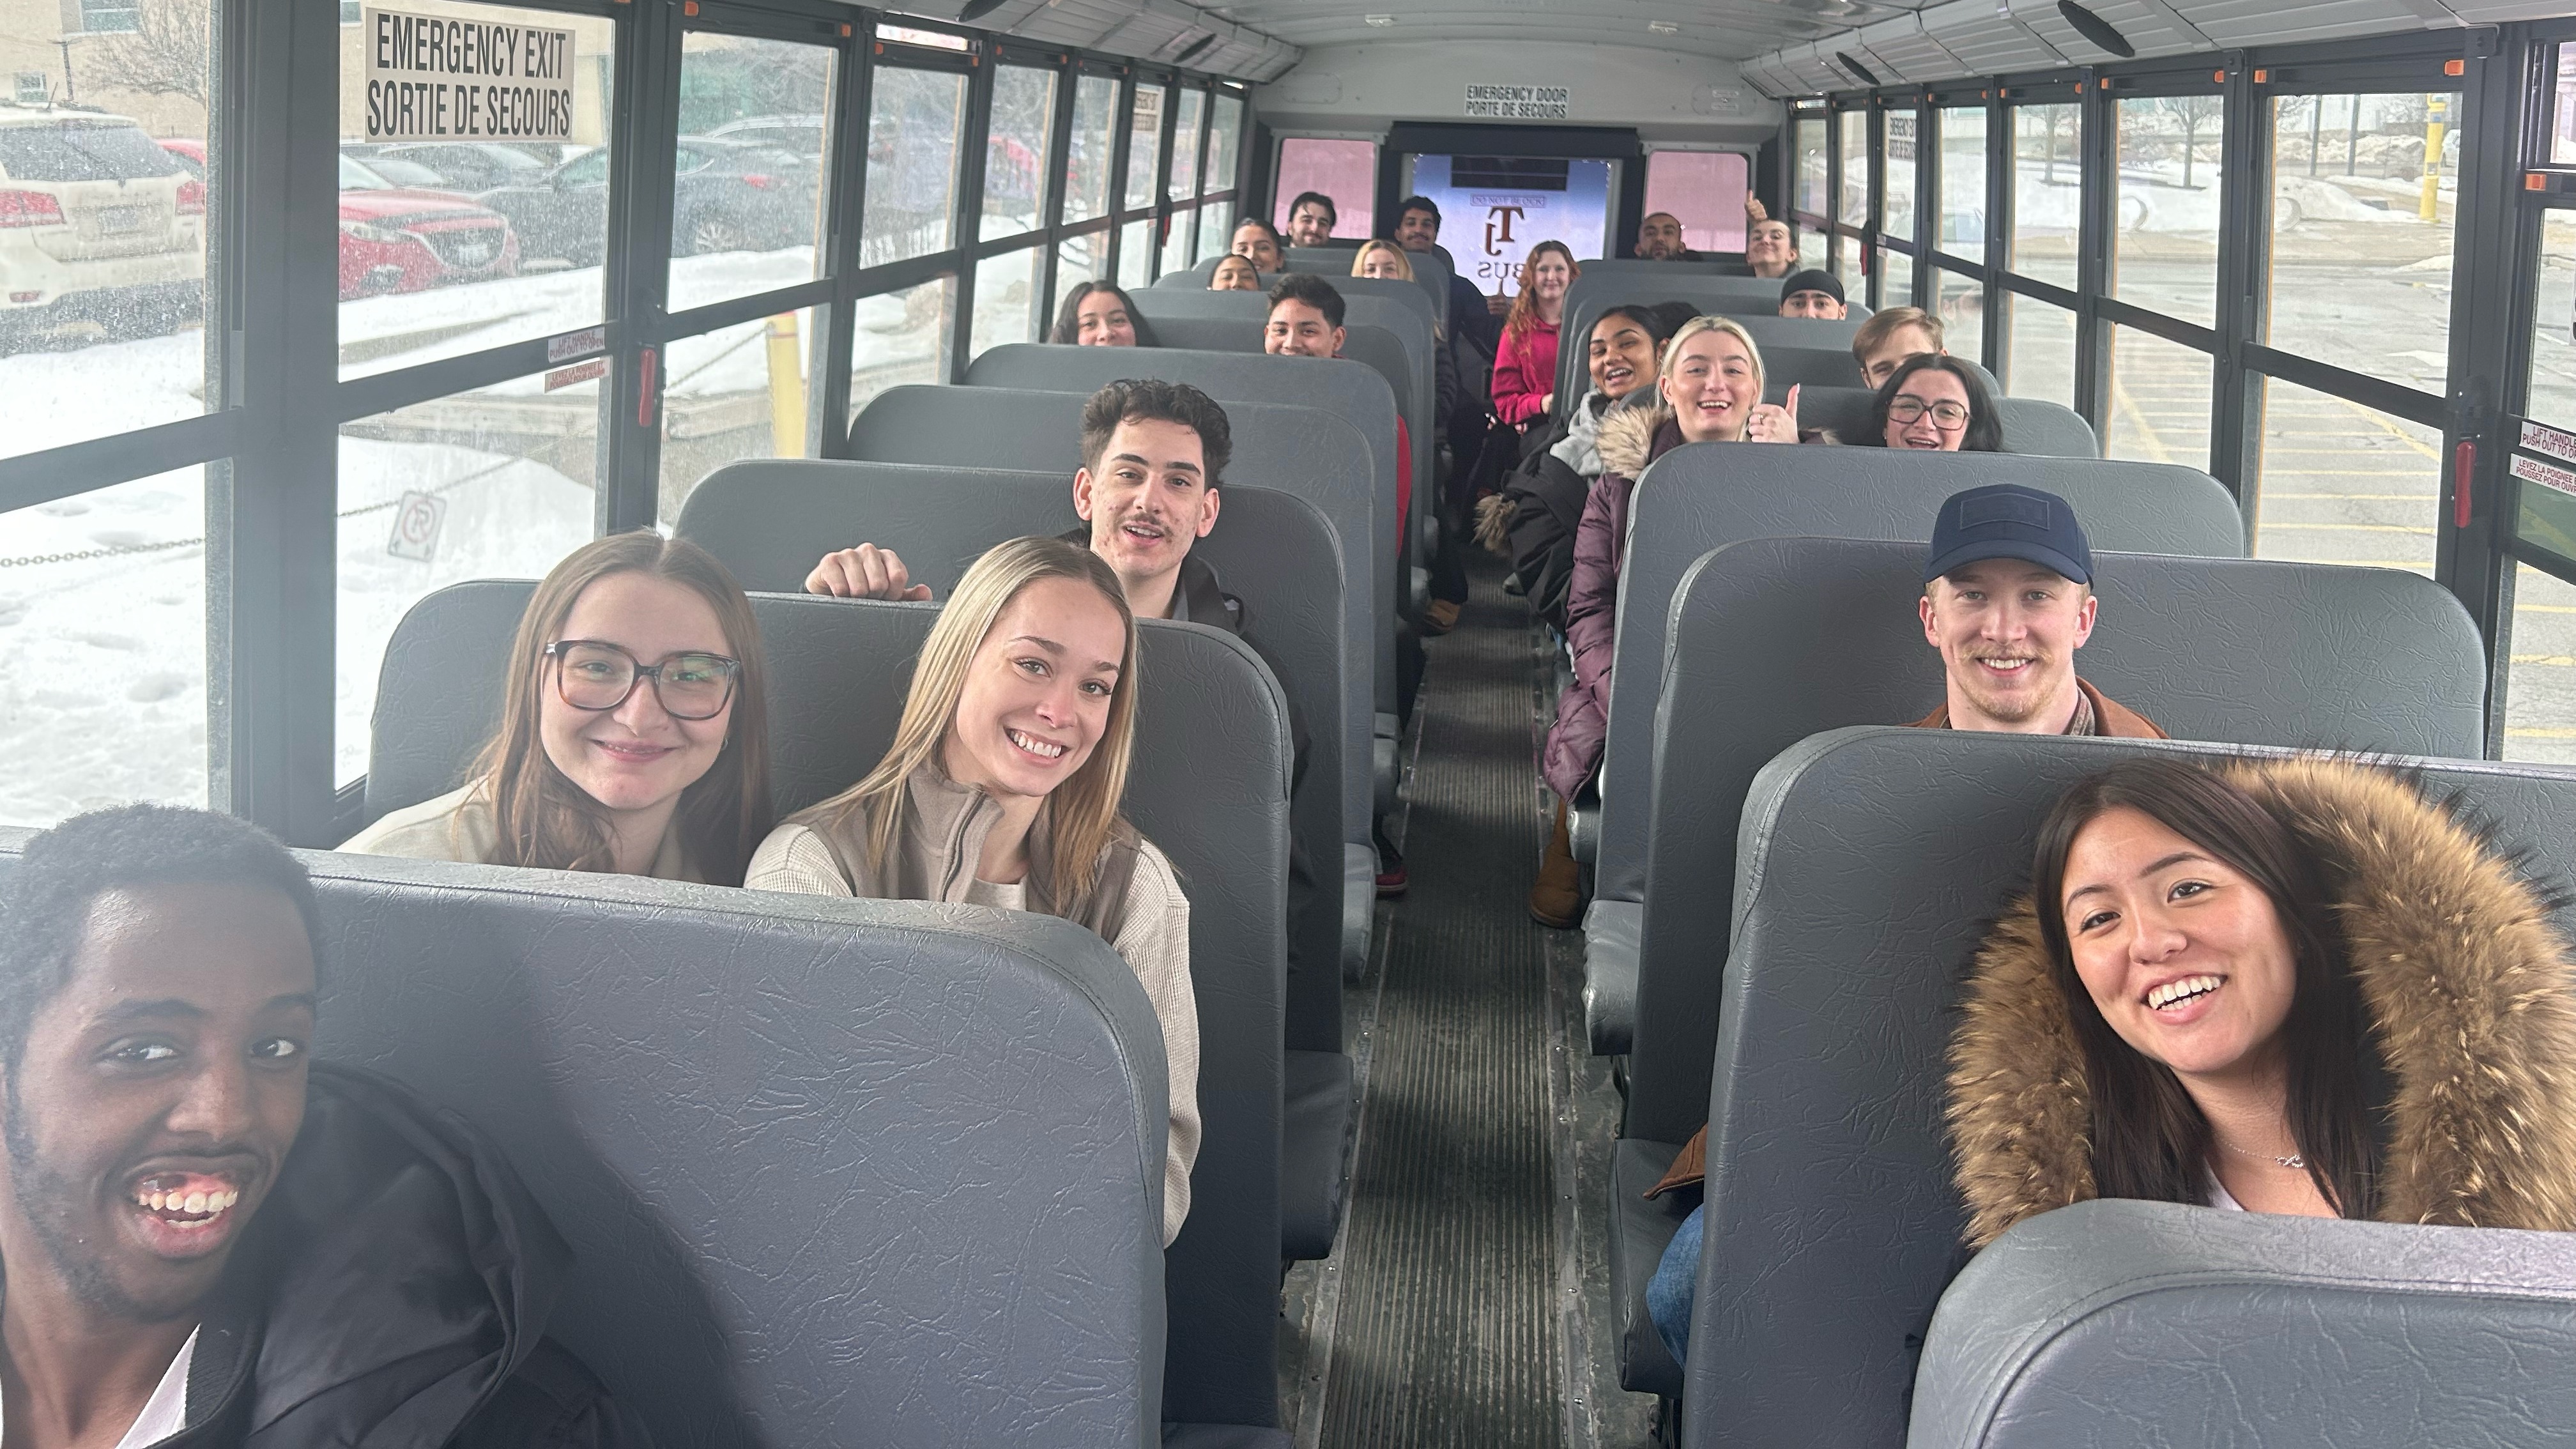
2111	719
1532	519
393	1290
2470	991
1525	372
1137	908
1630	441
460	825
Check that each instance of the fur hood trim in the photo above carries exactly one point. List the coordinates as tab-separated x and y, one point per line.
1628	438
2470	990
1494	523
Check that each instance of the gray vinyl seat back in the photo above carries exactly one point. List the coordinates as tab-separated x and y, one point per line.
1359	395
1270	549
2031	425
1710	292
1431	272
1430	284
1301	451
1705	496
1785	342
2162	1323
1706	264
817	1188
2244	651
1221	815
1214	321
1870	862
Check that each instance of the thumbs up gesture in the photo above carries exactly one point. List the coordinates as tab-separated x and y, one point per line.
1774	422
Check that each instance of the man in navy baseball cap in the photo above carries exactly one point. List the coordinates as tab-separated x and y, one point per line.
2008	599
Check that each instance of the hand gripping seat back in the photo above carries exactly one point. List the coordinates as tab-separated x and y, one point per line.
1870	862
818	1188
768	519
1300	451
1707	495
2245	651
1360	396
2161	1323
1223	821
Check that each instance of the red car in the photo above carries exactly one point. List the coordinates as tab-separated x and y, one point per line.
399	236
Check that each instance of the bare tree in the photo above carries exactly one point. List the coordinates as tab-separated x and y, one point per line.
168	53
2193	112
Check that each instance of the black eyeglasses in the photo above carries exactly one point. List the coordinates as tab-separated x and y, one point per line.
595	676
1949	417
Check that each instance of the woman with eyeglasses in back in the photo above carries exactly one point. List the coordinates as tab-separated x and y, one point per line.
634	735
1936	403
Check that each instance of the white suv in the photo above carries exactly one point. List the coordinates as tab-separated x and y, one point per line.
96	221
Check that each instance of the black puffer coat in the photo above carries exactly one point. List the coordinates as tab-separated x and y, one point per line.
393	1294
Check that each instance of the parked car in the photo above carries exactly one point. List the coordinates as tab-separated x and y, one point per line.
96	222
471	167
727	197
795	135
406	238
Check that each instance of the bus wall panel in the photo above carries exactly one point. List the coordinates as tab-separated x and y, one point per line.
1987	40
2258	22
1661	92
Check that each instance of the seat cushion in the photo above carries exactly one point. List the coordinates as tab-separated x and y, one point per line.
1225	1436
1315	1120
1610	931
1640	1230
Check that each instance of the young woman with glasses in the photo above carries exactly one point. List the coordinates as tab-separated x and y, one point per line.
1937	403
634	737
1002	789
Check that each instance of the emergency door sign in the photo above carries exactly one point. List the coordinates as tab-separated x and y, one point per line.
440	78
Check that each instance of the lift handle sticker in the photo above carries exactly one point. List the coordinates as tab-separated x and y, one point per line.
2532	470
438	78
2541	438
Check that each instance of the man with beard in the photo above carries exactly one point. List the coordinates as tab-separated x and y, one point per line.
2008	599
1659	239
174	1270
1311	219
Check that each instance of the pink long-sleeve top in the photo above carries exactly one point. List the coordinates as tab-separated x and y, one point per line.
1525	372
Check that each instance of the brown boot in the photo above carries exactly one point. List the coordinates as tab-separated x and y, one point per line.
1556	897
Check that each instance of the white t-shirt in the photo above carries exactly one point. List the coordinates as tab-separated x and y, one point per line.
166	1412
2219	1197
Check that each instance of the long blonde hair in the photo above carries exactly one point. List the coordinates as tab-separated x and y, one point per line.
1524	313
1359	259
541	817
1082	813
1693	328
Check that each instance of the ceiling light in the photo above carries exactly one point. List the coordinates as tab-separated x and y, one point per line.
1191	54
2096	29
1859	70
1662	27
1379	22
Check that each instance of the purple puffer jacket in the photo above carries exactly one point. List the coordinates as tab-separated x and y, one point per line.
1630	439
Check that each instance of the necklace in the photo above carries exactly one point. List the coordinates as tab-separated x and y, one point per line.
2293	1160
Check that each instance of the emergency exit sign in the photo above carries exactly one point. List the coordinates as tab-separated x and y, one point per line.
1517	103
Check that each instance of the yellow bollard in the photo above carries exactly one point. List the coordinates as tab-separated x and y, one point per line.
786	388
2428	209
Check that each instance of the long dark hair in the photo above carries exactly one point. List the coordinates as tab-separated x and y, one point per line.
2149	1139
1985	430
545	820
1068	318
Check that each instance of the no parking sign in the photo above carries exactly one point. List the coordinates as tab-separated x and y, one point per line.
416	524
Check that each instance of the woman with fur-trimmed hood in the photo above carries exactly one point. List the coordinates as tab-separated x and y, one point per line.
2291	986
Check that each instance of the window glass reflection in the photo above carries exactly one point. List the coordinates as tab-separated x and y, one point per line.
1006	291
1963	183
902	338
1185	144
2165	227
2361	232
2552	394
2160	394
2342	483
748	191
1225	139
737	392
2048	181
914	121
1136	253
1851	133
1811	167
103	649
2540	693
2039	349
1016	149
1144	146
1086	165
1899	165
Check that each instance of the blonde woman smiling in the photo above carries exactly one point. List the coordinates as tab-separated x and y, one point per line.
1002	789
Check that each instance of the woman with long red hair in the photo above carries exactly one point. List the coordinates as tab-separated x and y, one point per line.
1525	362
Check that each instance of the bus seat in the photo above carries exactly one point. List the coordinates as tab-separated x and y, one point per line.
2151	1322
2031	425
1302	451
1430	278
1874	859
1725	264
817	1187
1362	396
760	517
1702	497
1223	820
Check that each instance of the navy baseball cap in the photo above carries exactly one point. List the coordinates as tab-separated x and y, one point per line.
1811	280
2006	520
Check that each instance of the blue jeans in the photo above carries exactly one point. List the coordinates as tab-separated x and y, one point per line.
1675	1286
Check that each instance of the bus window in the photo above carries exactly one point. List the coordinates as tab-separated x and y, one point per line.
1086	164
2344	483
1343	170
2165	255
2039	349
1897	210
2540	693
748	191
902	338
1705	189
914	119
2160	395
1963	183
1851	142
2048	146
2361	233
2552	397
1015	150
1811	167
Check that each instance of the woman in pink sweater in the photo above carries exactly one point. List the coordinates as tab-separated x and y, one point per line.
1525	363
